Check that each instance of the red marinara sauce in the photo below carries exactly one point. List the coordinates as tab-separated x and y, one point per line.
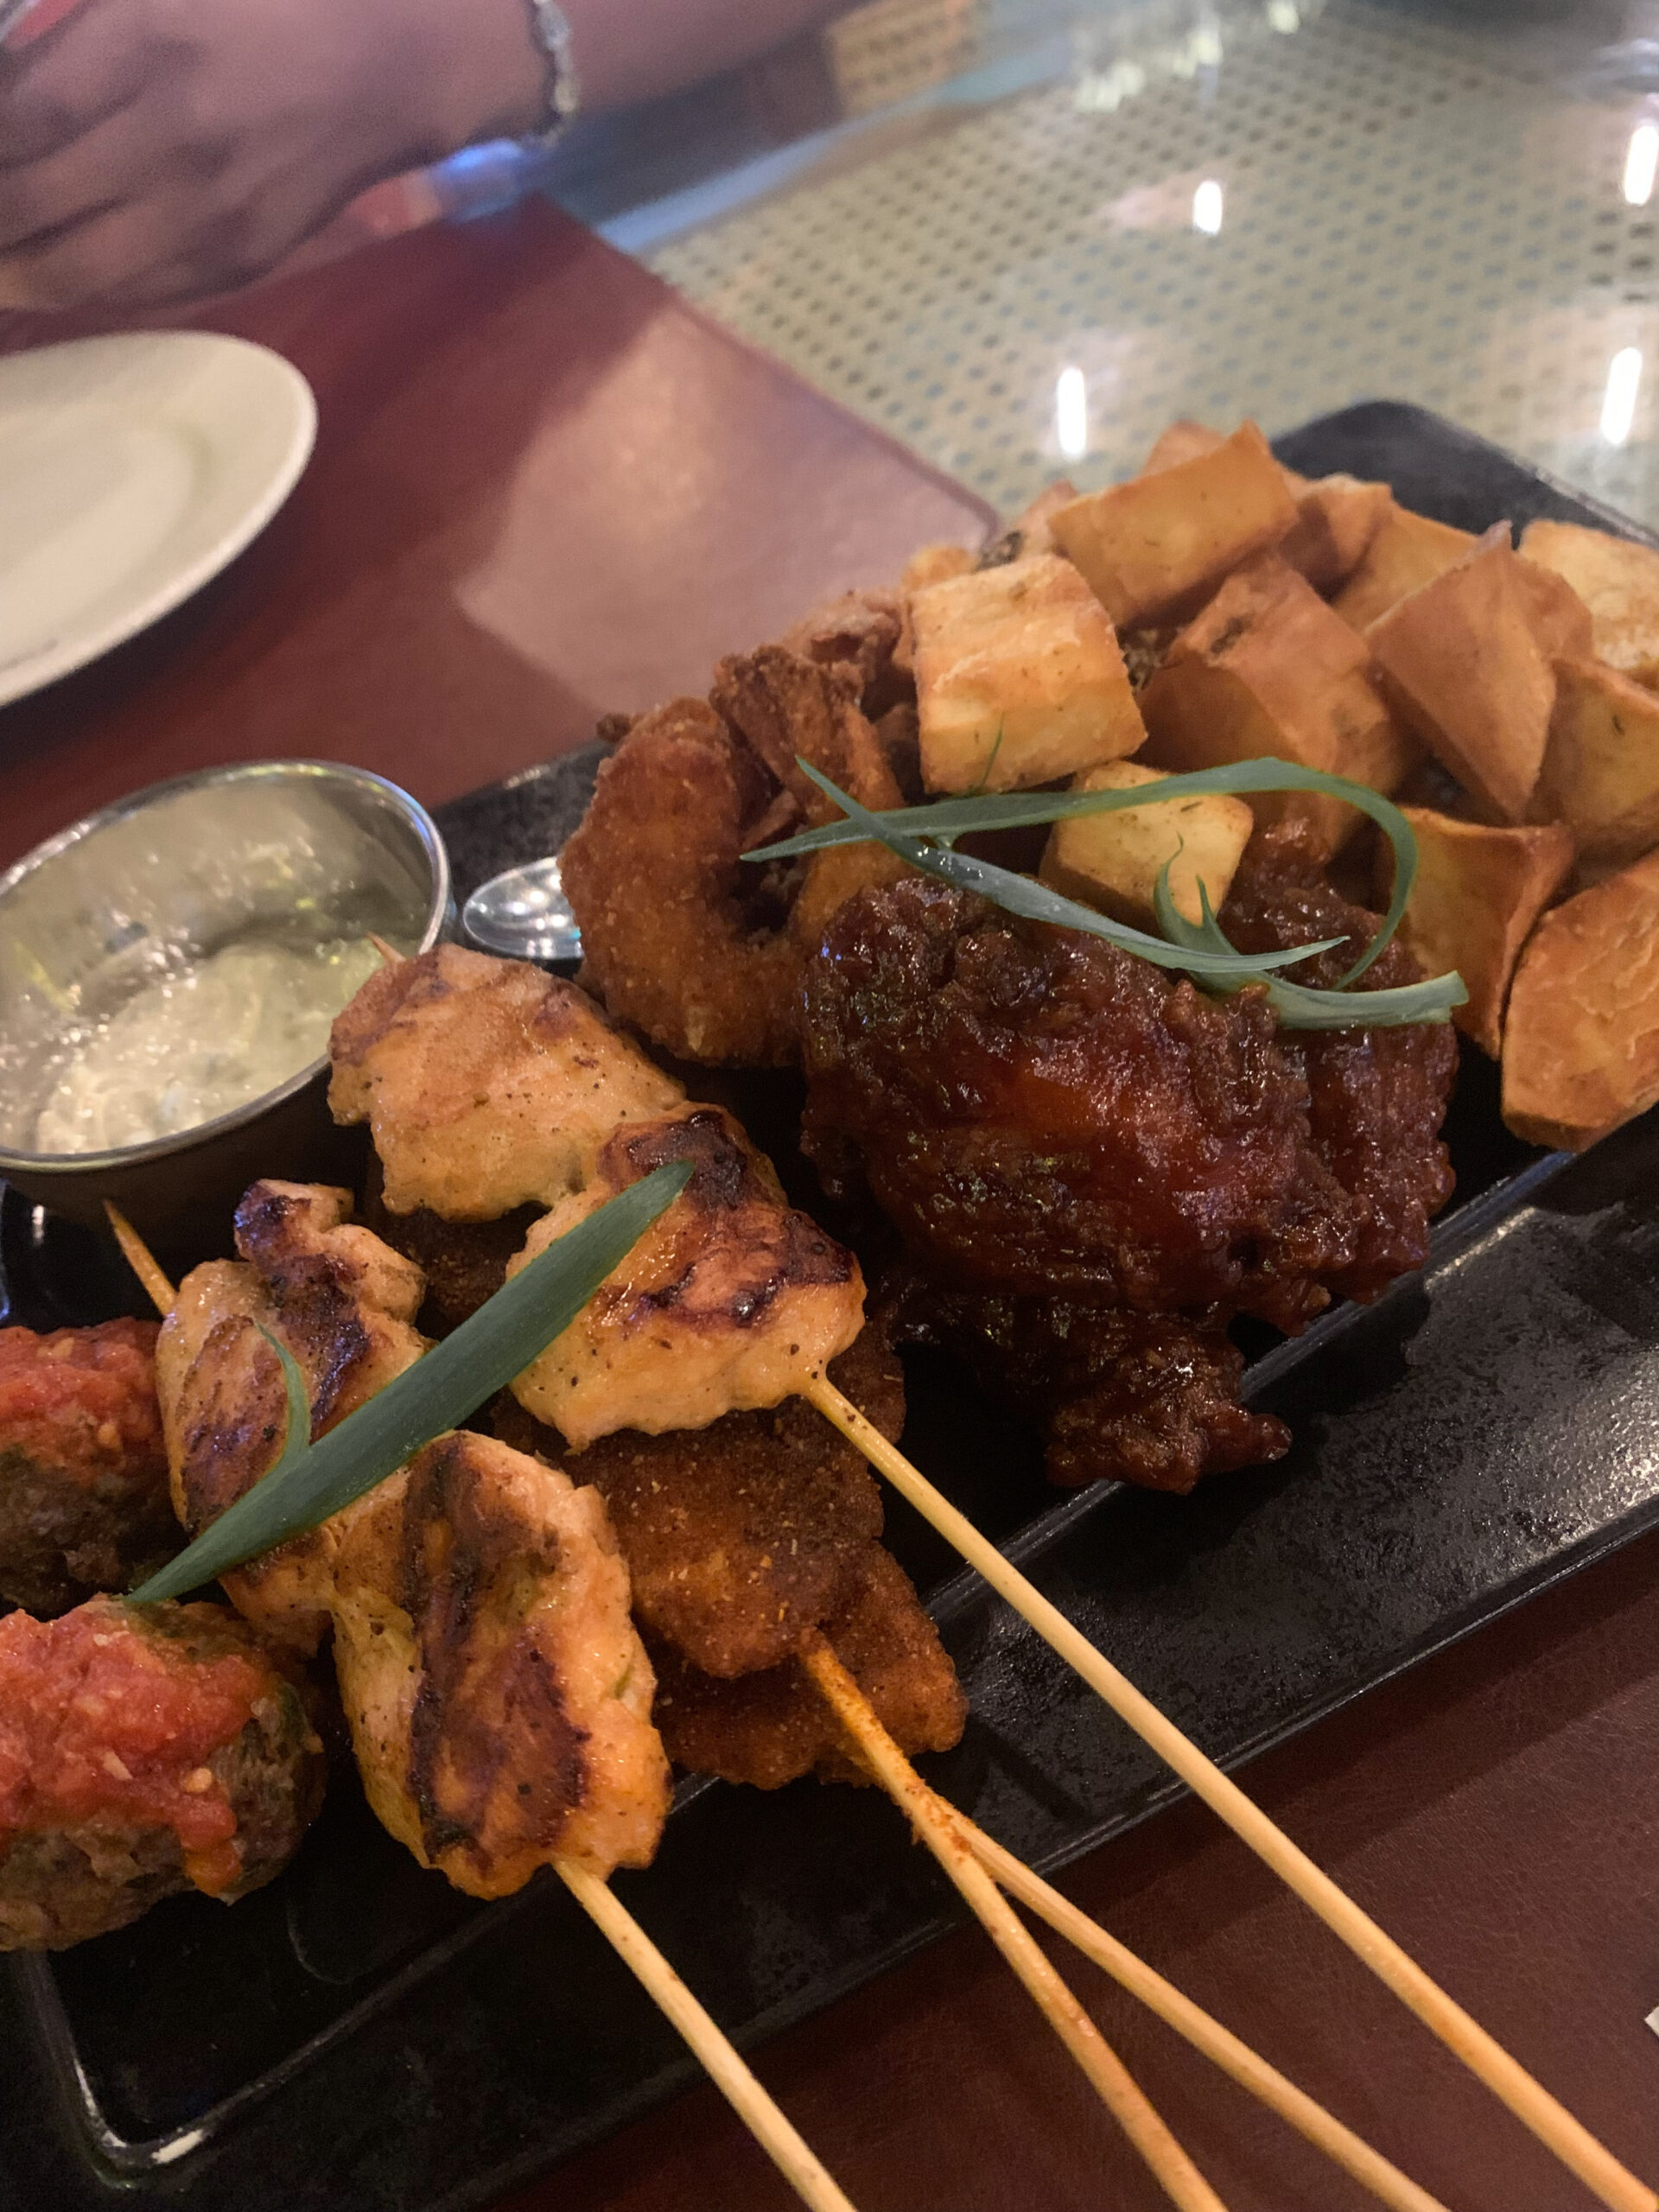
83	1401
109	1716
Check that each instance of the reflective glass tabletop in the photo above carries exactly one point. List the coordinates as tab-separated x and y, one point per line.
1022	235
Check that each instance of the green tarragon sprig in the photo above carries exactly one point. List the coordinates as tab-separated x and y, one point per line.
926	836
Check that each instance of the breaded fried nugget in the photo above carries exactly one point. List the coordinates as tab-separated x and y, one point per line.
740	1536
771	1728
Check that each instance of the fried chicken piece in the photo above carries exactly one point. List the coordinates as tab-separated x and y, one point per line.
486	1083
1040	1113
499	1697
1122	1396
142	1751
1376	1097
343	1304
861	634
679	937
770	1728
465	1263
84	1502
730	1300
741	1535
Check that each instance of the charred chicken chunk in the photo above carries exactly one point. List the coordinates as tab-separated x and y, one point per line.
343	1304
142	1751
499	1697
82	1471
486	1083
731	1300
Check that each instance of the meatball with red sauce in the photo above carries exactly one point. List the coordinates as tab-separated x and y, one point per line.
84	1502
143	1751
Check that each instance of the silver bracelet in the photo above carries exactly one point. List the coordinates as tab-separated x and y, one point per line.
552	32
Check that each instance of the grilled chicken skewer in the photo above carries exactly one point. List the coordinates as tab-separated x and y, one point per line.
372	1054
497	1694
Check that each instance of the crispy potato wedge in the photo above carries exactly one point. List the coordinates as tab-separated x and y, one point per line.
1159	545
1618	580
1113	860
1477	892
1337	518
1601	765
1267	668
1581	1042
1407	551
1468	660
1019	678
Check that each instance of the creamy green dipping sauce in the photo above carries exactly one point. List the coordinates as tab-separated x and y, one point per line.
195	1043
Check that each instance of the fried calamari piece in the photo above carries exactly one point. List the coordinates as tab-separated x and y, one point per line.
741	1535
486	1083
1376	1097
142	1751
343	1304
1039	1113
770	1728
83	1470
1121	1396
732	1298
499	1697
679	937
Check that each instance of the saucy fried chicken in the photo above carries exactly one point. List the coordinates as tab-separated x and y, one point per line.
1092	1166
343	1304
84	1502
142	1751
499	1696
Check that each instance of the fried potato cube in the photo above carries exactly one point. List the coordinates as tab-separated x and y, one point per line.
1336	516
1337	519
1113	860
1619	582
1601	765
1268	668
1582	1044
1182	441
1032	523
1407	551
1019	678
1160	544
1477	892
1469	662
933	564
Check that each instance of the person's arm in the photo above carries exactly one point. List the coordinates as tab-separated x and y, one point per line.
155	149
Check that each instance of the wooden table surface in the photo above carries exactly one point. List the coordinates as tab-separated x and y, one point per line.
544	488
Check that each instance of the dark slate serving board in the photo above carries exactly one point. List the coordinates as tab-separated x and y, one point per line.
360	2037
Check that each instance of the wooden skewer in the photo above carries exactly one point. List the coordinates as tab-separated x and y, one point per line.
935	1824
777	2138
1532	2104
388	953
789	2151
1248	2068
141	1259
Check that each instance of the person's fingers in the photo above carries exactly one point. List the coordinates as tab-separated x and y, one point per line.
91	64
118	160
107	253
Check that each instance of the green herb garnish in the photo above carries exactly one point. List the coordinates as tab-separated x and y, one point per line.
310	1482
925	836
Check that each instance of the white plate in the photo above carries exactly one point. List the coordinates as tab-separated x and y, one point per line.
132	470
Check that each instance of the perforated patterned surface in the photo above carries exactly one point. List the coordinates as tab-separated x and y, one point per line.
1395	206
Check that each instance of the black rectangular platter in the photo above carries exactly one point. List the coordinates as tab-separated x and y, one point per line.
360	2037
